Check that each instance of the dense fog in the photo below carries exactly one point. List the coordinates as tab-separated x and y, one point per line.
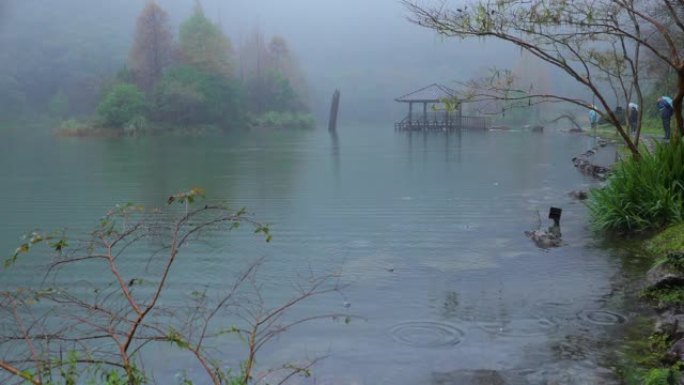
367	49
405	243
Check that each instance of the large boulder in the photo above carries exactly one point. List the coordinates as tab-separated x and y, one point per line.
584	164
578	195
671	324
534	128
665	287
545	239
662	275
677	350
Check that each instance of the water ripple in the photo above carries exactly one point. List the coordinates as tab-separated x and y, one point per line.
426	334
519	327
601	317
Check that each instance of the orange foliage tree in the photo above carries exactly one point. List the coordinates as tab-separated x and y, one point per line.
152	46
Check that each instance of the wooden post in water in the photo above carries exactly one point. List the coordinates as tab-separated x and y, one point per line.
334	109
425	119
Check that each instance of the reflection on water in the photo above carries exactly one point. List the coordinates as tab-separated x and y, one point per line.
425	142
335	149
426	228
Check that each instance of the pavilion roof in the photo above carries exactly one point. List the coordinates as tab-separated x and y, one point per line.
434	93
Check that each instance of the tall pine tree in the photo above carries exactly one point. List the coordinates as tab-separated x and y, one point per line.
204	46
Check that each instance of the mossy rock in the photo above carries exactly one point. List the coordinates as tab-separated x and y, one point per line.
665	296
665	284
670	324
664	274
669	240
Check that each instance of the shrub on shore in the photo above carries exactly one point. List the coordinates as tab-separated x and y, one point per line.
641	195
284	120
86	128
122	104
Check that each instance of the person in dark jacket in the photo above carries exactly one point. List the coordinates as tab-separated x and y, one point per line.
620	115
633	117
666	111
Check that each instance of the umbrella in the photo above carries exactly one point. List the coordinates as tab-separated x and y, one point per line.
668	100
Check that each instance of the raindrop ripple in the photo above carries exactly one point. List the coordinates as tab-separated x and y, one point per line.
426	334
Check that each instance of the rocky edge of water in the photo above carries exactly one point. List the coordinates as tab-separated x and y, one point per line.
664	288
585	165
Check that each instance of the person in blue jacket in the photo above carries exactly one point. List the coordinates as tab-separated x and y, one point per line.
593	116
664	105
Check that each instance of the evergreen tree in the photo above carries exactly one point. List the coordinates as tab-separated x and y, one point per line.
204	46
188	95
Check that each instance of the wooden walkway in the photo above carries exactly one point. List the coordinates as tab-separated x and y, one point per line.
442	123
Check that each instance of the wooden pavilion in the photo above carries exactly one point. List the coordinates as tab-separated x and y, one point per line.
437	117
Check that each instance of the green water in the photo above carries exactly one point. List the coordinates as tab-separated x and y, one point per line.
426	230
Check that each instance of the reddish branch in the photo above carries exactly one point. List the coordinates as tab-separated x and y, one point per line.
121	316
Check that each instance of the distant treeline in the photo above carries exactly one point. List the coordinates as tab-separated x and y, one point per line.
193	78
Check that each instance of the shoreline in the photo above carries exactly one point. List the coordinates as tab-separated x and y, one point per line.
652	348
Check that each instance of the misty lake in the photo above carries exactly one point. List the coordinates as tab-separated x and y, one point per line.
425	229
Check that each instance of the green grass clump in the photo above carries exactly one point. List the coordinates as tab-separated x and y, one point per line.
642	195
650	127
661	376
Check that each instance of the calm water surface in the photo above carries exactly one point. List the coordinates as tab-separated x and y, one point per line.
426	229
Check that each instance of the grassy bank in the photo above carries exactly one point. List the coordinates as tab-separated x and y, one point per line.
96	128
650	127
641	198
647	358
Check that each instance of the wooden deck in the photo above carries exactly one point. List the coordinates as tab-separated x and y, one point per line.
442	122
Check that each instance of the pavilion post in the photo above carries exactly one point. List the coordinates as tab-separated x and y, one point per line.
425	119
410	113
